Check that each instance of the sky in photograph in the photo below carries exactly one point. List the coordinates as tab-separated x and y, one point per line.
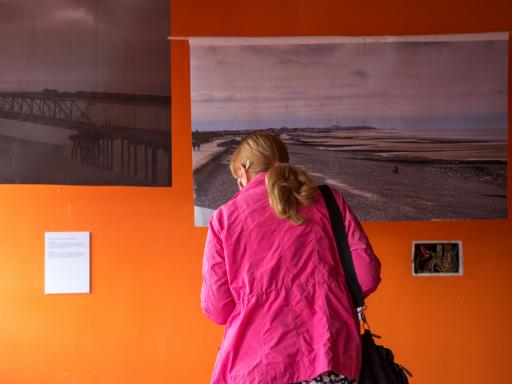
88	45
402	85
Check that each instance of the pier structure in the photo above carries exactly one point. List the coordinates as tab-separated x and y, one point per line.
95	144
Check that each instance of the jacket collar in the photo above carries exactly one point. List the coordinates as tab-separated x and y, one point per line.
255	182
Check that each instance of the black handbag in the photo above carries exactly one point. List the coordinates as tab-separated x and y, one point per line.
378	365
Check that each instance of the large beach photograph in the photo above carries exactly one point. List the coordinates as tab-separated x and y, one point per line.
85	93
407	128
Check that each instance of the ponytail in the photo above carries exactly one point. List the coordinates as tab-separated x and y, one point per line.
289	188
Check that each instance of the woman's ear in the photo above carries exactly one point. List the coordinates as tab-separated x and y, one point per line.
243	175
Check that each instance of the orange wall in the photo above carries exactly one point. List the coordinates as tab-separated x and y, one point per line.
142	323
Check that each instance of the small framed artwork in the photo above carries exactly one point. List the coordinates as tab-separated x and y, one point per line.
437	258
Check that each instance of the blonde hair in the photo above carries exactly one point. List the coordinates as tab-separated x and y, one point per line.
288	187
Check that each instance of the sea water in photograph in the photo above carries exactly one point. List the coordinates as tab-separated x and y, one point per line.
407	128
85	93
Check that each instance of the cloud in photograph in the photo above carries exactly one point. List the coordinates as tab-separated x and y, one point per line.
69	45
273	85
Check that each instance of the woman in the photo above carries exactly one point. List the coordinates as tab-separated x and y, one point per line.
272	275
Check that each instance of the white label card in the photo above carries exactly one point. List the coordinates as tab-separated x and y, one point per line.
67	262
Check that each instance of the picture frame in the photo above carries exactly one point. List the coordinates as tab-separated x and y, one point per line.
437	258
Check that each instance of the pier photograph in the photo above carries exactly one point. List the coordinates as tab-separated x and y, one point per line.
85	93
406	128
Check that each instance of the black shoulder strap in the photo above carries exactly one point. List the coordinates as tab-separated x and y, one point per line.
340	236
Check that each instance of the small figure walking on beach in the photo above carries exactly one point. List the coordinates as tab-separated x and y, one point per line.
395	170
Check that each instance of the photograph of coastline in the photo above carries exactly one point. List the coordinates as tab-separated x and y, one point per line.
85	93
407	128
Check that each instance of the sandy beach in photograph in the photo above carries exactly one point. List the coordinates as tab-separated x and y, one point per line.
385	175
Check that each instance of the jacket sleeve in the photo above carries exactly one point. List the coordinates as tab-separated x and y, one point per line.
366	263
217	301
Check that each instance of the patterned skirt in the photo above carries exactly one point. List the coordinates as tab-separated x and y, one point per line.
329	378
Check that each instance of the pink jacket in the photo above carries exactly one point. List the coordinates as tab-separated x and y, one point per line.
280	290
